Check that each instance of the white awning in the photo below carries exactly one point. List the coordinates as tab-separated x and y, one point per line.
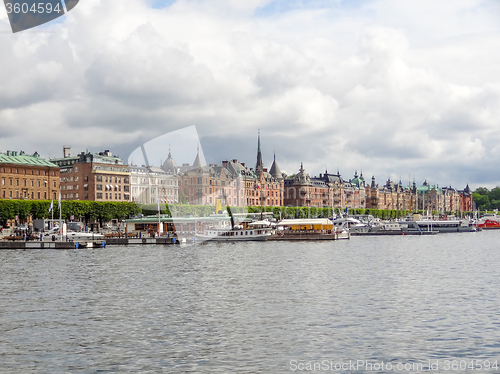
305	221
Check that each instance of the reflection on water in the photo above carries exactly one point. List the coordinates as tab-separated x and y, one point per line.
250	307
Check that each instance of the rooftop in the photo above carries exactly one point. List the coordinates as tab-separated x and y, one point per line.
21	158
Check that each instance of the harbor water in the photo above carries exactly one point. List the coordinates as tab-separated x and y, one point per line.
369	304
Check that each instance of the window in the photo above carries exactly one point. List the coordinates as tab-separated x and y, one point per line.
98	178
55	197
3	182
3	194
10	193
17	194
32	183
54	184
126	188
45	195
85	178
99	195
99	187
125	180
106	195
38	183
116	196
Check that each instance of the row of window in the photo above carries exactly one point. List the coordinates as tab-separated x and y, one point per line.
109	196
23	171
109	179
25	195
25	182
116	188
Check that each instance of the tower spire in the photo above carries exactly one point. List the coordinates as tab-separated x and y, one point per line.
259	166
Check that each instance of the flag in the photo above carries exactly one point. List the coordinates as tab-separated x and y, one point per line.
59	201
51	205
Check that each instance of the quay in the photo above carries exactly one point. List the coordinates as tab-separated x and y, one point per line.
20	244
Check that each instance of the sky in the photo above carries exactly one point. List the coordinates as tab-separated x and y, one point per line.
400	89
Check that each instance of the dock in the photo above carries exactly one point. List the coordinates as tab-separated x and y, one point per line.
14	244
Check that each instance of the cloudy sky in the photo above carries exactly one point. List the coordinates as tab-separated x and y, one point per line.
395	88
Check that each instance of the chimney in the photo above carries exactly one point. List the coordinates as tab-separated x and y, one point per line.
66	151
235	160
265	170
243	164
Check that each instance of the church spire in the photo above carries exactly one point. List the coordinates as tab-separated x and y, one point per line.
259	166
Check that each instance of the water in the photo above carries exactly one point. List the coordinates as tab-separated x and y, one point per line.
271	307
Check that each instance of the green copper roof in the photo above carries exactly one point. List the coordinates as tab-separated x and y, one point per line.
24	159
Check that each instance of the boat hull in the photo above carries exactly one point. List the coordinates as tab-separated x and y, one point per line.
219	238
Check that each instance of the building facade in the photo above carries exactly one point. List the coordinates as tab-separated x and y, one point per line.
28	177
93	176
150	185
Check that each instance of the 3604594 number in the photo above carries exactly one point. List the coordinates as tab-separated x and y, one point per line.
35	8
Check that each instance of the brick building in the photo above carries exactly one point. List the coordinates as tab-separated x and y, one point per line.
29	177
93	176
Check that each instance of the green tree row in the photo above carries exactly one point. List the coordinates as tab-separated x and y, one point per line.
486	199
90	210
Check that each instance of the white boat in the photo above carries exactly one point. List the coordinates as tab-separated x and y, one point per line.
354	225
256	231
54	234
234	234
455	225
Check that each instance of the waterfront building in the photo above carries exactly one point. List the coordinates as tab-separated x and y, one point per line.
150	184
466	203
30	177
355	192
302	190
232	183
327	190
391	196
263	187
93	176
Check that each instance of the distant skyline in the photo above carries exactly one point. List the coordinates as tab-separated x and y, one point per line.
396	89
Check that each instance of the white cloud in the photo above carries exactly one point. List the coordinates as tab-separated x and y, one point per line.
389	87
